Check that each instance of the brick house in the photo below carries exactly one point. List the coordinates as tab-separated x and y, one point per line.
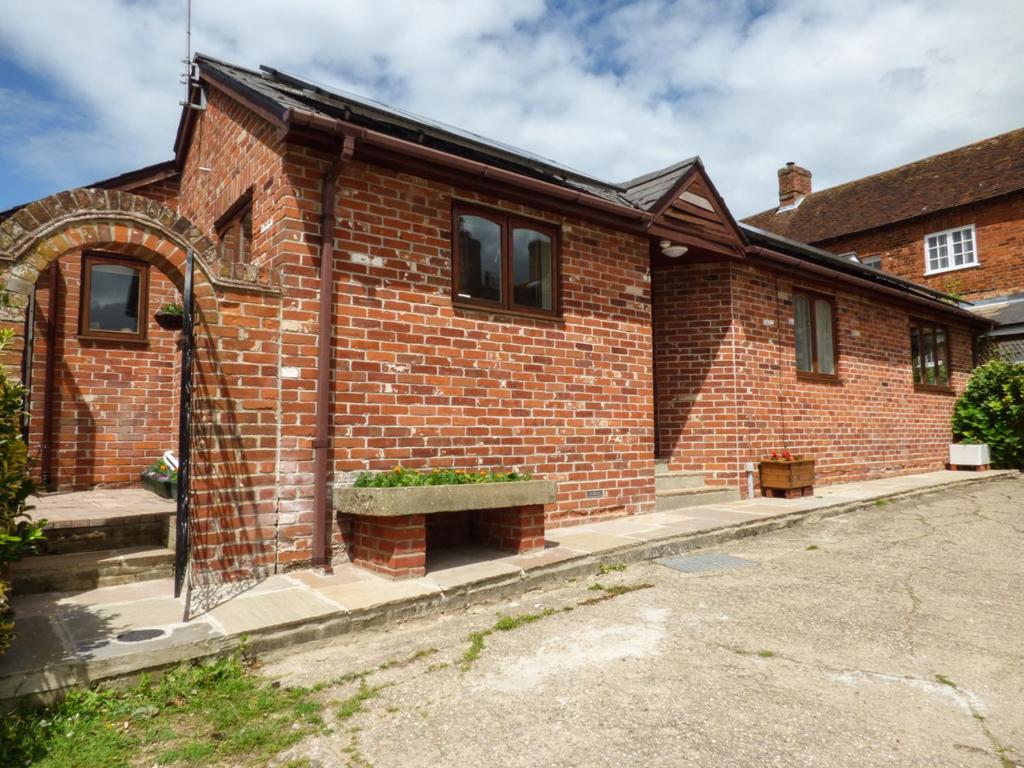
953	222
486	308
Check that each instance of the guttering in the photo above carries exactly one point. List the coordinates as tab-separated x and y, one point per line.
300	117
322	440
791	263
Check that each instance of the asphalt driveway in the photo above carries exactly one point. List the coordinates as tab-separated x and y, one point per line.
892	636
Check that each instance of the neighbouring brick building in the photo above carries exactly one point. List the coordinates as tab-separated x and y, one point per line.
485	308
953	222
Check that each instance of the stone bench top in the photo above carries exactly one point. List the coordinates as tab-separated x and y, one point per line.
431	499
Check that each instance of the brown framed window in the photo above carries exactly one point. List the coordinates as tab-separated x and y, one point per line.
114	299
504	262
929	355
234	231
814	335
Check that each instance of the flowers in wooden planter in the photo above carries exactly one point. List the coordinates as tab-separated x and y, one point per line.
784	456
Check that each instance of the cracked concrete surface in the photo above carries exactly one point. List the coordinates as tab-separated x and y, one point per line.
897	641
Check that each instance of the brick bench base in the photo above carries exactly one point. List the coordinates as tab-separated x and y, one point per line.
397	546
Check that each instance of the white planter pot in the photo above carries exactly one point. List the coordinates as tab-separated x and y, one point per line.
965	455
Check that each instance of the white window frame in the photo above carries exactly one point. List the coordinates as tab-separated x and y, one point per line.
947	235
876	262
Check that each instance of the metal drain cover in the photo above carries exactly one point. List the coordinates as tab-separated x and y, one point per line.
703	563
138	635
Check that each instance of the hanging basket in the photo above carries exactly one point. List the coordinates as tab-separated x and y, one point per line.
169	321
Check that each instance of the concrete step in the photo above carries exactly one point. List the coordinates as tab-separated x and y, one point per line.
108	532
682	498
88	570
677	480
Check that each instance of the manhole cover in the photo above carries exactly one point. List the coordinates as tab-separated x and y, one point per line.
138	635
702	563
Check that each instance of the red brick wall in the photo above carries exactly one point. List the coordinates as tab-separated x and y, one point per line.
999	236
872	424
116	403
423	384
166	191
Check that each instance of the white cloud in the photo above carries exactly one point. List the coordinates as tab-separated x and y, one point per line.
843	88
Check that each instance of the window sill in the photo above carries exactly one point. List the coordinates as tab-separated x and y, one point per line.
819	378
138	341
935	389
930	272
504	311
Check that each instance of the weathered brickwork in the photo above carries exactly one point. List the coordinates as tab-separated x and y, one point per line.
115	404
999	236
738	397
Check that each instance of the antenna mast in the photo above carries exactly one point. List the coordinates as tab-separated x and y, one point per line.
187	78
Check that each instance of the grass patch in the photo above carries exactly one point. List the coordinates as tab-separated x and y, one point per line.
607	568
596	587
881	502
945	681
198	714
354	704
478	640
811	547
764	654
610	592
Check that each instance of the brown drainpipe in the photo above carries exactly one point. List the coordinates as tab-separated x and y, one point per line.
50	379
322	440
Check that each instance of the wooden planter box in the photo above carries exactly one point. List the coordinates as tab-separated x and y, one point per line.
787	479
390	525
165	489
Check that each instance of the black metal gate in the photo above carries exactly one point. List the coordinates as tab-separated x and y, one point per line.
181	543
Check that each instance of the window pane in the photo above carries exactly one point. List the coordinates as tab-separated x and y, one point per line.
928	348
915	354
823	334
479	259
245	238
938	252
802	332
941	371
114	298
531	269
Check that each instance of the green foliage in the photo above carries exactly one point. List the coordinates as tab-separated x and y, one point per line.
161	470
172	309
401	477
991	411
195	715
19	534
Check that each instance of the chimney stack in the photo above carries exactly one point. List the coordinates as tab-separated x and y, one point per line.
794	184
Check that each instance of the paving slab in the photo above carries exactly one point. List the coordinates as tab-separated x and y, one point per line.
590	541
272	609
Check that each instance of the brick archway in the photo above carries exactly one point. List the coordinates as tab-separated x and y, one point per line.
229	497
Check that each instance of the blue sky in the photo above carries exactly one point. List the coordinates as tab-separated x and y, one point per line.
90	90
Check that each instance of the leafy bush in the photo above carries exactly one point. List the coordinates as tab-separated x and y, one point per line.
991	410
400	477
19	534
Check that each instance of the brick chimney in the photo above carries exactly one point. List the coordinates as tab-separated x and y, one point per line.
794	184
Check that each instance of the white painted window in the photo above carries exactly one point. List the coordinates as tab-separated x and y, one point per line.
949	250
875	262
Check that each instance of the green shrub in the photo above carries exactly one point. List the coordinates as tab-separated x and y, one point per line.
400	477
19	534
991	411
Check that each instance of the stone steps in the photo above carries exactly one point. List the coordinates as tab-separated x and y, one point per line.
91	569
682	488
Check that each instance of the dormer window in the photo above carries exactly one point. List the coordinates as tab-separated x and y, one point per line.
950	249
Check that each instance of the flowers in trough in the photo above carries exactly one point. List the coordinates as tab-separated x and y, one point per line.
161	470
400	477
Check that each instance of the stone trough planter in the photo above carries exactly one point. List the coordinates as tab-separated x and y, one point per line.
389	532
969	456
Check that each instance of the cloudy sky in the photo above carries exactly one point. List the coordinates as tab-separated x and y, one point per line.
846	88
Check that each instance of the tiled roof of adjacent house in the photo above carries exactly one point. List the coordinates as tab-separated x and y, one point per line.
979	171
285	91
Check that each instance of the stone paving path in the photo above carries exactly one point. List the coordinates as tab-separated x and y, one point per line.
69	638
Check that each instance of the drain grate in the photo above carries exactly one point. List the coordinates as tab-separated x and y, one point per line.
703	563
138	635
